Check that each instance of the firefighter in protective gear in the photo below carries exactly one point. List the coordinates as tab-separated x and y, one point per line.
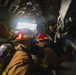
41	38
4	32
49	59
21	60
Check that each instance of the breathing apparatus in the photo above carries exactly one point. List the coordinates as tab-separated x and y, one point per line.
6	53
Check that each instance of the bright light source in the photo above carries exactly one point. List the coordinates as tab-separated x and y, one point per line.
21	25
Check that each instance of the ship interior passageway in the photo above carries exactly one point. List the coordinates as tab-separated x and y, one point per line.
57	18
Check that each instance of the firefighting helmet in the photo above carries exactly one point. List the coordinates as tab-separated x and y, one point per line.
24	34
42	37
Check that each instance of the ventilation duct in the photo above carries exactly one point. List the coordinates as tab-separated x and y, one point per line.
3	3
14	6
